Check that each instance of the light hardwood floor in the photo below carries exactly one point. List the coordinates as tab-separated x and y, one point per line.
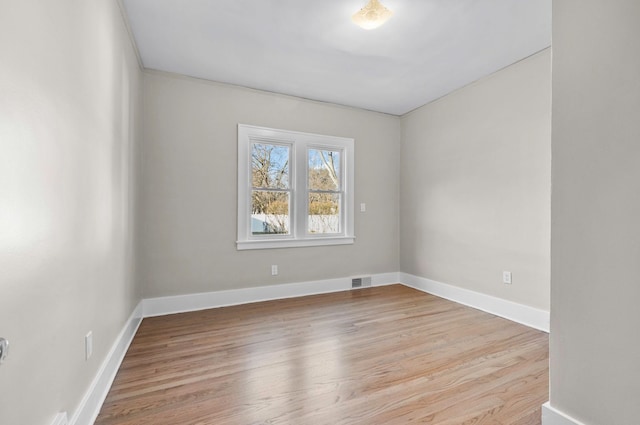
386	355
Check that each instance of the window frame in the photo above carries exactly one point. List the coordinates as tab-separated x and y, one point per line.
290	189
300	144
341	190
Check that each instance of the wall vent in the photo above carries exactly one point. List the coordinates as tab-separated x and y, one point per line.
360	282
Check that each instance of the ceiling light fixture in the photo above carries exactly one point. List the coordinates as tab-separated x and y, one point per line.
372	15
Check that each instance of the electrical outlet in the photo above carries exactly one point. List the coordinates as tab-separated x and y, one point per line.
506	278
363	207
88	345
4	349
274	270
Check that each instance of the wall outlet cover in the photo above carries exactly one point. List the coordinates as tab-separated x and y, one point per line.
506	277
88	345
4	349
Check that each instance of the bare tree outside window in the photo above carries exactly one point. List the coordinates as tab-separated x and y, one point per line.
325	191
294	189
270	195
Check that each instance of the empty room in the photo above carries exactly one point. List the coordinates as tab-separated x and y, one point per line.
354	212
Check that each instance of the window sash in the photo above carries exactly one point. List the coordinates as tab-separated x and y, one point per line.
299	145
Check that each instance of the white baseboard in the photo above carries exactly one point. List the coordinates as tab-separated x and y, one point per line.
529	316
97	392
384	279
60	419
192	302
89	407
552	416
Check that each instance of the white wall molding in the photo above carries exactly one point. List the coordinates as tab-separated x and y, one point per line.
384	279
201	301
552	416
89	407
526	315
529	316
60	419
92	401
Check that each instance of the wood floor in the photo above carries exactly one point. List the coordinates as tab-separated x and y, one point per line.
386	355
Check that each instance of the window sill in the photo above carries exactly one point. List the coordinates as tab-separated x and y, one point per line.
294	243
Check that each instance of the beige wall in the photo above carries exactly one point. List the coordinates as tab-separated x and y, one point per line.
188	198
475	176
69	103
475	198
595	211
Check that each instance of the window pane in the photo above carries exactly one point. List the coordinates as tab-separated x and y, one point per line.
324	170
269	212
269	166
324	213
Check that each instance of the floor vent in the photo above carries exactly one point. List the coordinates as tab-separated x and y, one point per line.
359	282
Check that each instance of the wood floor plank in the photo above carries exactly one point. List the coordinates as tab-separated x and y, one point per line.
387	355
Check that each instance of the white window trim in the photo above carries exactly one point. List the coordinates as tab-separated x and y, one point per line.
299	142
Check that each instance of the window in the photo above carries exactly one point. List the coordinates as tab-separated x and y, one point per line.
294	189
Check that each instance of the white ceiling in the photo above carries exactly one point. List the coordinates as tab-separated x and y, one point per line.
311	49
